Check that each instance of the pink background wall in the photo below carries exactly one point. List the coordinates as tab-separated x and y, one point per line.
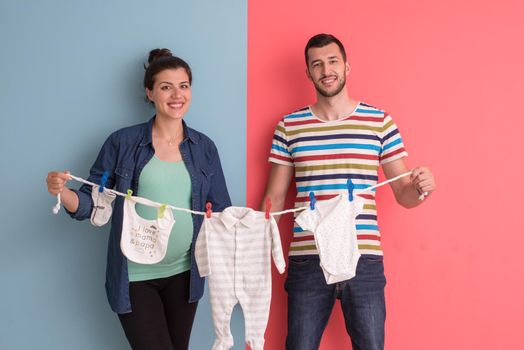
450	73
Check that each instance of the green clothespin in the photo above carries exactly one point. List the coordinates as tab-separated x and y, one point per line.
161	211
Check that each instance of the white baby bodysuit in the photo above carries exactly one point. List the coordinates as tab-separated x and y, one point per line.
145	241
101	206
234	249
333	225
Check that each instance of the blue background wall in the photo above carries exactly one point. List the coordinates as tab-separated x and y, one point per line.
71	74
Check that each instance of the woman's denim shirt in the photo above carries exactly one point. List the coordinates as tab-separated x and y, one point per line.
124	155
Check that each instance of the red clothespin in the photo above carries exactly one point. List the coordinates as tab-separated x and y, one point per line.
268	207
208	209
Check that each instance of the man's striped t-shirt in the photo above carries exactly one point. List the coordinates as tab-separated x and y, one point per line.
326	154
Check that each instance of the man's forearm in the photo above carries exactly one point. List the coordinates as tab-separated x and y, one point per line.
277	204
409	196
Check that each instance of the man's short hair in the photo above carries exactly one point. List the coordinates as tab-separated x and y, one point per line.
321	40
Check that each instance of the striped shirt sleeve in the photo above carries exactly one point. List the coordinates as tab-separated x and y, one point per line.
392	144
279	147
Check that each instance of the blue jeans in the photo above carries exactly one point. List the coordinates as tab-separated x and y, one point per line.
311	300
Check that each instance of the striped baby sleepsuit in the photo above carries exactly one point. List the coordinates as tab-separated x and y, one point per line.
234	250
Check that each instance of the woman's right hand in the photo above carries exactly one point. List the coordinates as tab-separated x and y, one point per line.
56	181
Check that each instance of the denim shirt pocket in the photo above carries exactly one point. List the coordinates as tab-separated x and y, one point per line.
123	177
206	184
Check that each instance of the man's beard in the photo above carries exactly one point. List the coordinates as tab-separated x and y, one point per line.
341	85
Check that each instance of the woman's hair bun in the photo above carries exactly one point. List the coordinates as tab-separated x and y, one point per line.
158	53
160	60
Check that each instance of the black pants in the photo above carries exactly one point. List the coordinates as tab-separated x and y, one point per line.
162	317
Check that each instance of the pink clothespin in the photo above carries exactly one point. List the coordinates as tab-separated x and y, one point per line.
208	209
268	207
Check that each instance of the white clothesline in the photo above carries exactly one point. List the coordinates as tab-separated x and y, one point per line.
56	208
357	192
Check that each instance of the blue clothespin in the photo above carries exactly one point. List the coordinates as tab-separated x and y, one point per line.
312	200
351	187
103	181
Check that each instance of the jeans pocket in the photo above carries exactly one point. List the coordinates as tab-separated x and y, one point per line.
299	261
372	259
300	270
371	269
